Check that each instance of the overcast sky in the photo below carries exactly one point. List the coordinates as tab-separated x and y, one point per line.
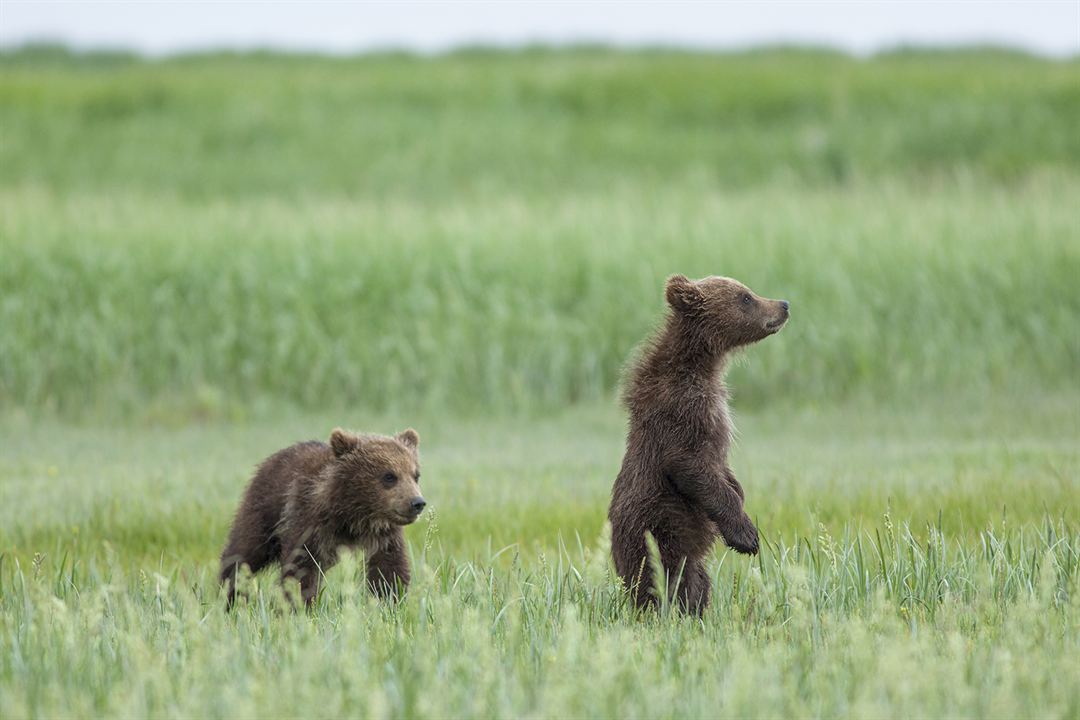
1050	27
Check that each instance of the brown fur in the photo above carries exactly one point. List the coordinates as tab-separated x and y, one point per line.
308	500
675	481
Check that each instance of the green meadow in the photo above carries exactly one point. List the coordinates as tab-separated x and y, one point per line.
206	258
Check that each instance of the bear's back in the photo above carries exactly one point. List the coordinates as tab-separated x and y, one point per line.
278	474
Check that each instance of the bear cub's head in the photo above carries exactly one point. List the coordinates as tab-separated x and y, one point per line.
728	313
378	477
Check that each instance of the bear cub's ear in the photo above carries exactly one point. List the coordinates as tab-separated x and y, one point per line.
343	441
682	293
409	438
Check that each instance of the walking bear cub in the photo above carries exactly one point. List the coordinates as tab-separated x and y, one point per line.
308	500
675	481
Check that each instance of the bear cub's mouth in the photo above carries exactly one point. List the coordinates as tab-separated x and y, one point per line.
407	518
775	325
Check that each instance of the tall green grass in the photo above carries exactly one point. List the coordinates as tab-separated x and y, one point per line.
115	302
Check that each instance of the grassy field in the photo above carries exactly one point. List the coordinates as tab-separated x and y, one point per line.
206	258
916	564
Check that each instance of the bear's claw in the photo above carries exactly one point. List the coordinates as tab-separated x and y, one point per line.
745	540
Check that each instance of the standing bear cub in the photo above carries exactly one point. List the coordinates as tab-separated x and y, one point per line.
308	500
675	481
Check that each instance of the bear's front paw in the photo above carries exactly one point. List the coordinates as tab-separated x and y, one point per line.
744	539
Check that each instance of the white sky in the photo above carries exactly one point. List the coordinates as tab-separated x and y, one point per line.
1049	27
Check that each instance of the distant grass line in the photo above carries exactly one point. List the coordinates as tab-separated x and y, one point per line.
132	305
536	122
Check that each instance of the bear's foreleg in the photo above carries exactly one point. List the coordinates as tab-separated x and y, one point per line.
720	498
388	567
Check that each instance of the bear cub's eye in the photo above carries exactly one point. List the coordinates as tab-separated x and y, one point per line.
389	478
745	299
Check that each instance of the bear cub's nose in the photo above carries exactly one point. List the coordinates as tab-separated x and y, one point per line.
418	504
784	304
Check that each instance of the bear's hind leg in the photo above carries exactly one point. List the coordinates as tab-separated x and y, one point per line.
695	588
256	553
630	555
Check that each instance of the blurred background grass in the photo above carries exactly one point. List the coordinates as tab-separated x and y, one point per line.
488	232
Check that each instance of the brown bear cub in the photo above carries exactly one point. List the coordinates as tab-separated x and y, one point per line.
307	501
675	481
